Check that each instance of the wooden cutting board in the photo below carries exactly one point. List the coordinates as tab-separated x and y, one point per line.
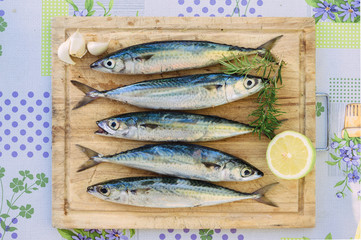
73	207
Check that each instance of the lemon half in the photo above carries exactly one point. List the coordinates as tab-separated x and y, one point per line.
291	155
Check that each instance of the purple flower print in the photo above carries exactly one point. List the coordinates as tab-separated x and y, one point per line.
356	3
334	145
348	11
345	153
115	235
81	14
339	194
93	230
349	154
80	237
352	147
354	160
325	9
355	153
353	177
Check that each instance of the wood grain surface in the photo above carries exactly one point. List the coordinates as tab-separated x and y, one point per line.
73	207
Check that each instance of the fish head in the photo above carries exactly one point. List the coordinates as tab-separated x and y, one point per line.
109	191
122	127
238	87
110	64
243	172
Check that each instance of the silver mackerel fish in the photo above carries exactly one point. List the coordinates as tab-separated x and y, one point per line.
169	192
180	160
166	56
179	93
170	127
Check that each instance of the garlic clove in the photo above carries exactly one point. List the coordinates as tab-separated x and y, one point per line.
77	45
97	48
63	52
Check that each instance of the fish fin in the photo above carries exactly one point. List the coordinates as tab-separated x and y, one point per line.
149	125
266	48
140	191
211	87
261	198
211	165
89	93
91	155
269	44
88	164
144	57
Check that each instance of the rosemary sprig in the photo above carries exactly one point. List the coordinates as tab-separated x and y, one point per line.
267	113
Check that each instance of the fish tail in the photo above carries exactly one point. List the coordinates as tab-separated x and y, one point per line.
92	158
265	49
260	195
90	93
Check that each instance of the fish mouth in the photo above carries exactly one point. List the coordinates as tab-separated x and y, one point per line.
256	175
90	189
95	64
101	131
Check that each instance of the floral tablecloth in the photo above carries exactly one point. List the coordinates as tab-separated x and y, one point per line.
25	113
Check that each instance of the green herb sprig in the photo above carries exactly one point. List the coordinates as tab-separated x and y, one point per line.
267	113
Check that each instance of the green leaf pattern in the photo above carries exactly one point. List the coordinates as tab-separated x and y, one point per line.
3	24
319	109
42	180
24	184
17	185
206	234
329	236
26	174
2	172
89	4
26	211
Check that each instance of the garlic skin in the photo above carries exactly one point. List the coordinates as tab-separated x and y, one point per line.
97	48
77	45
63	52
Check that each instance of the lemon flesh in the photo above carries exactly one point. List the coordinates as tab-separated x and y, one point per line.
291	155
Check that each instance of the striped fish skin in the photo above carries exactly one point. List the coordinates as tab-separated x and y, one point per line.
180	93
166	56
169	192
170	127
180	160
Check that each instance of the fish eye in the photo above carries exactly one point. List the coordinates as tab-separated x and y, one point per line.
249	83
246	172
114	124
104	191
110	63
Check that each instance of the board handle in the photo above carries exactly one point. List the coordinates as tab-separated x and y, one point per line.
322	121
